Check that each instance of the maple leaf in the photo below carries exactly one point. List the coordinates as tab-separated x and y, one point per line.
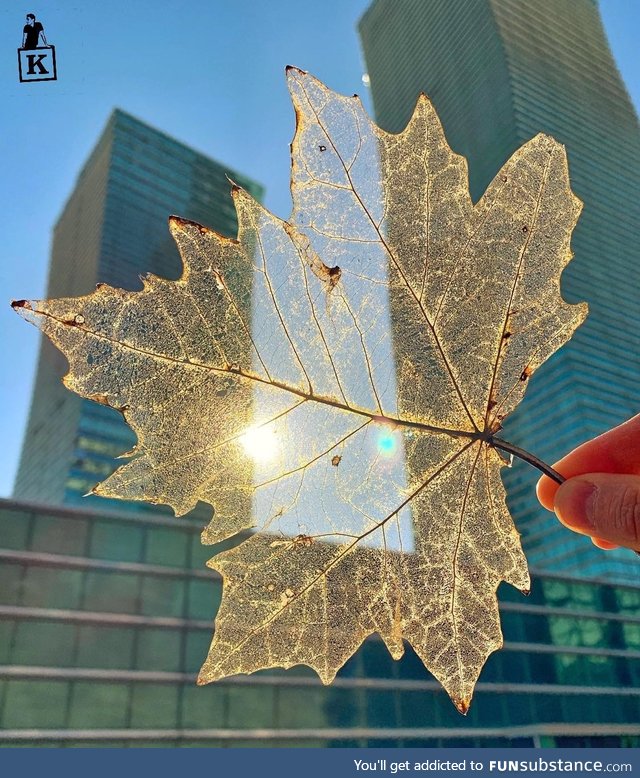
337	382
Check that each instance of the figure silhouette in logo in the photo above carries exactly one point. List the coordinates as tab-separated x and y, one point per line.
32	33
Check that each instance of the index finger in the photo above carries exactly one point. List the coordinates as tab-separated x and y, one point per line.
615	451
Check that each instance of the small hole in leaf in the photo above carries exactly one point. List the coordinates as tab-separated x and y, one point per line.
322	148
525	229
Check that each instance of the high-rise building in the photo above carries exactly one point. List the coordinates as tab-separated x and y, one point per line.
105	621
112	229
499	72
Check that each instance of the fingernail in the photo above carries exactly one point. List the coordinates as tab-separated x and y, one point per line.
575	504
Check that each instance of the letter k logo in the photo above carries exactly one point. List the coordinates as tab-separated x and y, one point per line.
35	61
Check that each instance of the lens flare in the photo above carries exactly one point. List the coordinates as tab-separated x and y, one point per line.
387	443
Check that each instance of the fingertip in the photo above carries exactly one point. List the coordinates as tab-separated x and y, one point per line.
604	506
604	544
546	489
573	504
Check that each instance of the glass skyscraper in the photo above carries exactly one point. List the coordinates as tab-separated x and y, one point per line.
498	72
105	621
112	229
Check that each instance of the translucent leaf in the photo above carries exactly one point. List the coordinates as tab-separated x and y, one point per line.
335	383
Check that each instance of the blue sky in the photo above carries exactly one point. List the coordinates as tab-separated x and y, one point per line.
209	72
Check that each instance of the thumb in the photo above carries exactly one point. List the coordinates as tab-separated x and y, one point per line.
602	505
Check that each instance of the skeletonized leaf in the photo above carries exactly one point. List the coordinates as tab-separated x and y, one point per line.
335	382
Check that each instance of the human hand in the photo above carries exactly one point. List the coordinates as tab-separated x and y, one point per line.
601	496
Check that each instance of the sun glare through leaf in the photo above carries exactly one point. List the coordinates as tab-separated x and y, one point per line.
260	443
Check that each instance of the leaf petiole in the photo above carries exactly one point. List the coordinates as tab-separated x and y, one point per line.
504	445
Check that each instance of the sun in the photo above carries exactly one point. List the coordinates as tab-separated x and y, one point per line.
260	443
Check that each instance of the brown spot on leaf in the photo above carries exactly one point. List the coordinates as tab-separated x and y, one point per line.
526	373
335	461
462	706
334	275
100	398
329	275
180	223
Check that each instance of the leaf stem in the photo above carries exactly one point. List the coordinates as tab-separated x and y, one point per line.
504	445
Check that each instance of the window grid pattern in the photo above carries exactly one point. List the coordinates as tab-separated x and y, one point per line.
105	619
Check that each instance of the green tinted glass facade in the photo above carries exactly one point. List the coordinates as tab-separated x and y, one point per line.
499	72
106	618
113	229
